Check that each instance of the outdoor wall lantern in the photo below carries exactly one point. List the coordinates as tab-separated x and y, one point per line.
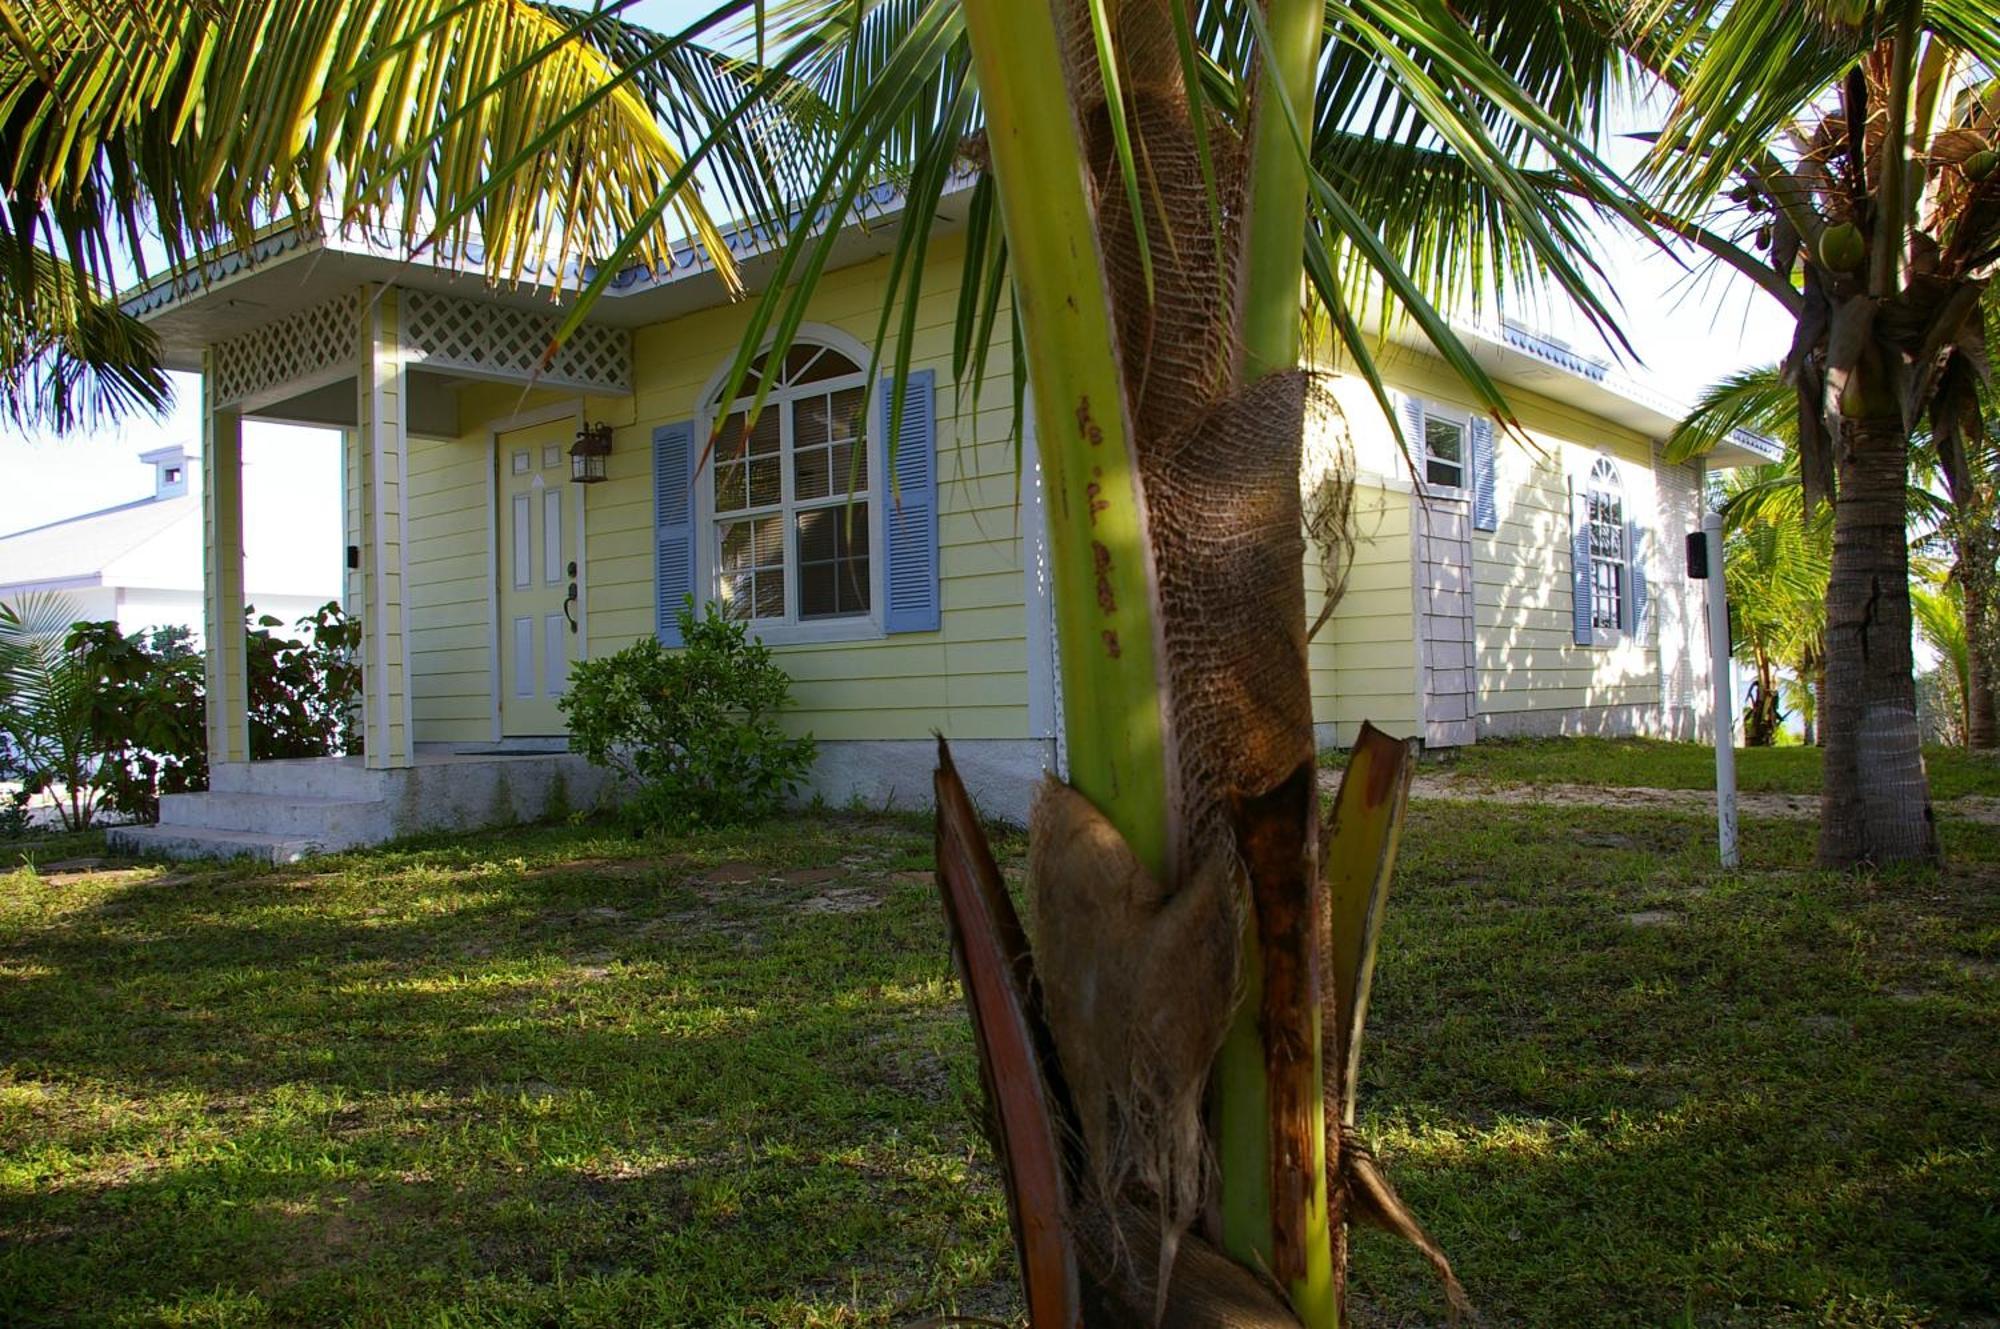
586	457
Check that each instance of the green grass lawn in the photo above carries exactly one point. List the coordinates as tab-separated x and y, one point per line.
558	1077
1643	762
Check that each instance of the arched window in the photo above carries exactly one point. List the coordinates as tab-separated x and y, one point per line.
1606	498
791	497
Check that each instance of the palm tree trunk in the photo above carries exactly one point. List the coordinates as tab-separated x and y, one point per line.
1176	883
1875	808
1760	723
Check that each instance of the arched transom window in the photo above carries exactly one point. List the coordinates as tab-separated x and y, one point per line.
791	496
1606	496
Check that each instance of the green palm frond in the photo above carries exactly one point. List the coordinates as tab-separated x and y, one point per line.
69	357
1760	401
1755	399
148	126
1753	69
1940	618
454	120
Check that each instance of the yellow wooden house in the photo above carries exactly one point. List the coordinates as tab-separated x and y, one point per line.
1499	586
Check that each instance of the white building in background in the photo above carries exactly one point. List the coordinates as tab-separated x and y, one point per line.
139	563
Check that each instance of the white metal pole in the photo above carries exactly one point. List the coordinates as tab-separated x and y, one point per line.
1719	673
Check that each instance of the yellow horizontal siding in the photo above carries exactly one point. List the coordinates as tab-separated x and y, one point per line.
451	685
971	678
1525	656
1362	663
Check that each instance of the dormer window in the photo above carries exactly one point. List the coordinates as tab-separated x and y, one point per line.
170	470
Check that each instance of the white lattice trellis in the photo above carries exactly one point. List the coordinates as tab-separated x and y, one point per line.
292	350
496	341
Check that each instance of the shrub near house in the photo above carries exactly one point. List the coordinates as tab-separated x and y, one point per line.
114	720
695	730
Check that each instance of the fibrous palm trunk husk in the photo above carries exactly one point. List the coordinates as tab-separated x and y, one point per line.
1875	808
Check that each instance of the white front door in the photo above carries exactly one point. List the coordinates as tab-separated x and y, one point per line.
538	566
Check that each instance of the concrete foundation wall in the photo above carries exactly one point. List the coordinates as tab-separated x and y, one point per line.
1000	774
1623	721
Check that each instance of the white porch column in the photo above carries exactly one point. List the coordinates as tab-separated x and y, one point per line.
376	453
226	665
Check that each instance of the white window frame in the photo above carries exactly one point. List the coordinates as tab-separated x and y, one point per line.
1463	420
1600	635
791	629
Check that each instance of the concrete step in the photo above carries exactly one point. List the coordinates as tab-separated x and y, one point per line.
197	842
310	777
333	822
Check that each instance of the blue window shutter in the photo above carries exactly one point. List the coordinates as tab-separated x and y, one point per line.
1413	432
1485	505
673	523
909	508
1635	554
1579	564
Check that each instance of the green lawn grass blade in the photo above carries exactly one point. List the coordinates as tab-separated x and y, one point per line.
1015	1061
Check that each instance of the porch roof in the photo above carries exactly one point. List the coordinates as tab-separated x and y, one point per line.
306	262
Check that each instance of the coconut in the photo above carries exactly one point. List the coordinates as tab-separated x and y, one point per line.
1841	248
1980	164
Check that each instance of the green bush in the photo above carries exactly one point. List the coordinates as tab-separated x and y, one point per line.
694	730
147	716
305	690
106	720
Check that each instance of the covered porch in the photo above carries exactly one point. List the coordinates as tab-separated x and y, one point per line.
382	362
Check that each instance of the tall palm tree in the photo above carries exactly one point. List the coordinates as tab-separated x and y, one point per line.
1853	142
1160	182
1961	515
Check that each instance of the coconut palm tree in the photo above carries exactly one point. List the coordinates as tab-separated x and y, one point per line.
1159	185
1853	143
1954	508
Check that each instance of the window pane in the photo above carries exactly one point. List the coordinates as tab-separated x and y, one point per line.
771	594
844	409
833	561
735	592
729	493
809	421
1444	439
829	364
764	482
1444	473
850	468
810	474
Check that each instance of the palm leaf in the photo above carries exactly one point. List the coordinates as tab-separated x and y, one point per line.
70	358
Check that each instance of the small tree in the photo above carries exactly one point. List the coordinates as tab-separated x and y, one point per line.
695	730
45	711
146	714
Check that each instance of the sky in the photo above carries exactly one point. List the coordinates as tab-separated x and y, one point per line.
1688	328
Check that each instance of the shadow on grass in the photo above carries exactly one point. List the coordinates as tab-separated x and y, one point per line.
555	1076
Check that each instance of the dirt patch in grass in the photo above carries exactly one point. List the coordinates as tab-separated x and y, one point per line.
535	1087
